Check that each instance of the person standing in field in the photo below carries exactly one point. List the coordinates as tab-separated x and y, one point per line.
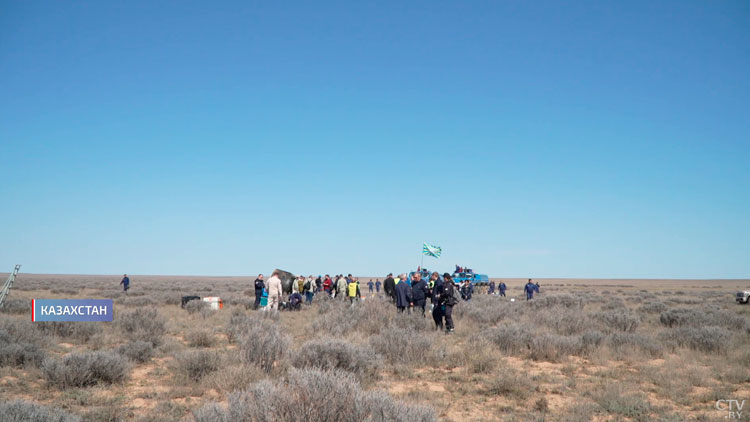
491	289
353	290
419	293
125	283
403	294
467	290
341	287
437	308
259	286
327	285
447	301
308	288
502	288
529	288
370	286
377	286
389	286
274	291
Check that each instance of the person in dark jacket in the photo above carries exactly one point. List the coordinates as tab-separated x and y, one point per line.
419	292
259	286
438	310
529	288
467	290
536	287
377	286
125	283
447	301
491	288
389	286
502	289
370	286
403	296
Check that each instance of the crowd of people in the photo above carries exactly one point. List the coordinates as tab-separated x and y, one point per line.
408	294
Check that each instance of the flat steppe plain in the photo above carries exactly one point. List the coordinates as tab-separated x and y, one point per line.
583	349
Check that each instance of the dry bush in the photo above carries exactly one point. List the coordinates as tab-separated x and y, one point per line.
652	307
20	343
614	399
137	351
200	338
553	347
508	382
312	395
701	318
338	317
195	306
338	354
16	306
136	302
618	320
86	369
79	331
263	345
240	322
24	411
402	346
144	324
487	310
565	321
705	339
511	339
563	300
229	378
193	365
628	343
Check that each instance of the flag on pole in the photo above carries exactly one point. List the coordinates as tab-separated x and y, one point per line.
433	251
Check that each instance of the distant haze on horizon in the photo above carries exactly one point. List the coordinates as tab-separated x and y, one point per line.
545	140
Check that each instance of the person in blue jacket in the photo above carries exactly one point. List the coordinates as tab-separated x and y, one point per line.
403	294
370	285
491	289
529	288
502	288
125	282
377	286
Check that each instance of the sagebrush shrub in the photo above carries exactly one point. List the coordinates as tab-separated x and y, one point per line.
402	346
137	351
24	411
705	339
618	320
196	364
338	354
200	338
511	339
144	324
626	343
16	306
263	345
312	395
86	369
20	343
195	306
80	331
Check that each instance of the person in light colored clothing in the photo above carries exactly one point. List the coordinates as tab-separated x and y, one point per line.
342	284
274	291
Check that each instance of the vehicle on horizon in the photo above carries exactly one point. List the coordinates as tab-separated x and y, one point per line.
458	277
743	297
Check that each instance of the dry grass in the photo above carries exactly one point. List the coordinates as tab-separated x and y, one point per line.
590	350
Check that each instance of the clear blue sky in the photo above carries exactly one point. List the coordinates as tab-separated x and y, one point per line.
557	139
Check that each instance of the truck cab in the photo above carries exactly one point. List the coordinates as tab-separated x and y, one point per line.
743	297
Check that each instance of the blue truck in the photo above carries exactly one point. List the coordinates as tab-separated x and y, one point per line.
459	277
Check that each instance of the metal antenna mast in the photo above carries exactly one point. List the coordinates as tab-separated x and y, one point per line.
8	284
